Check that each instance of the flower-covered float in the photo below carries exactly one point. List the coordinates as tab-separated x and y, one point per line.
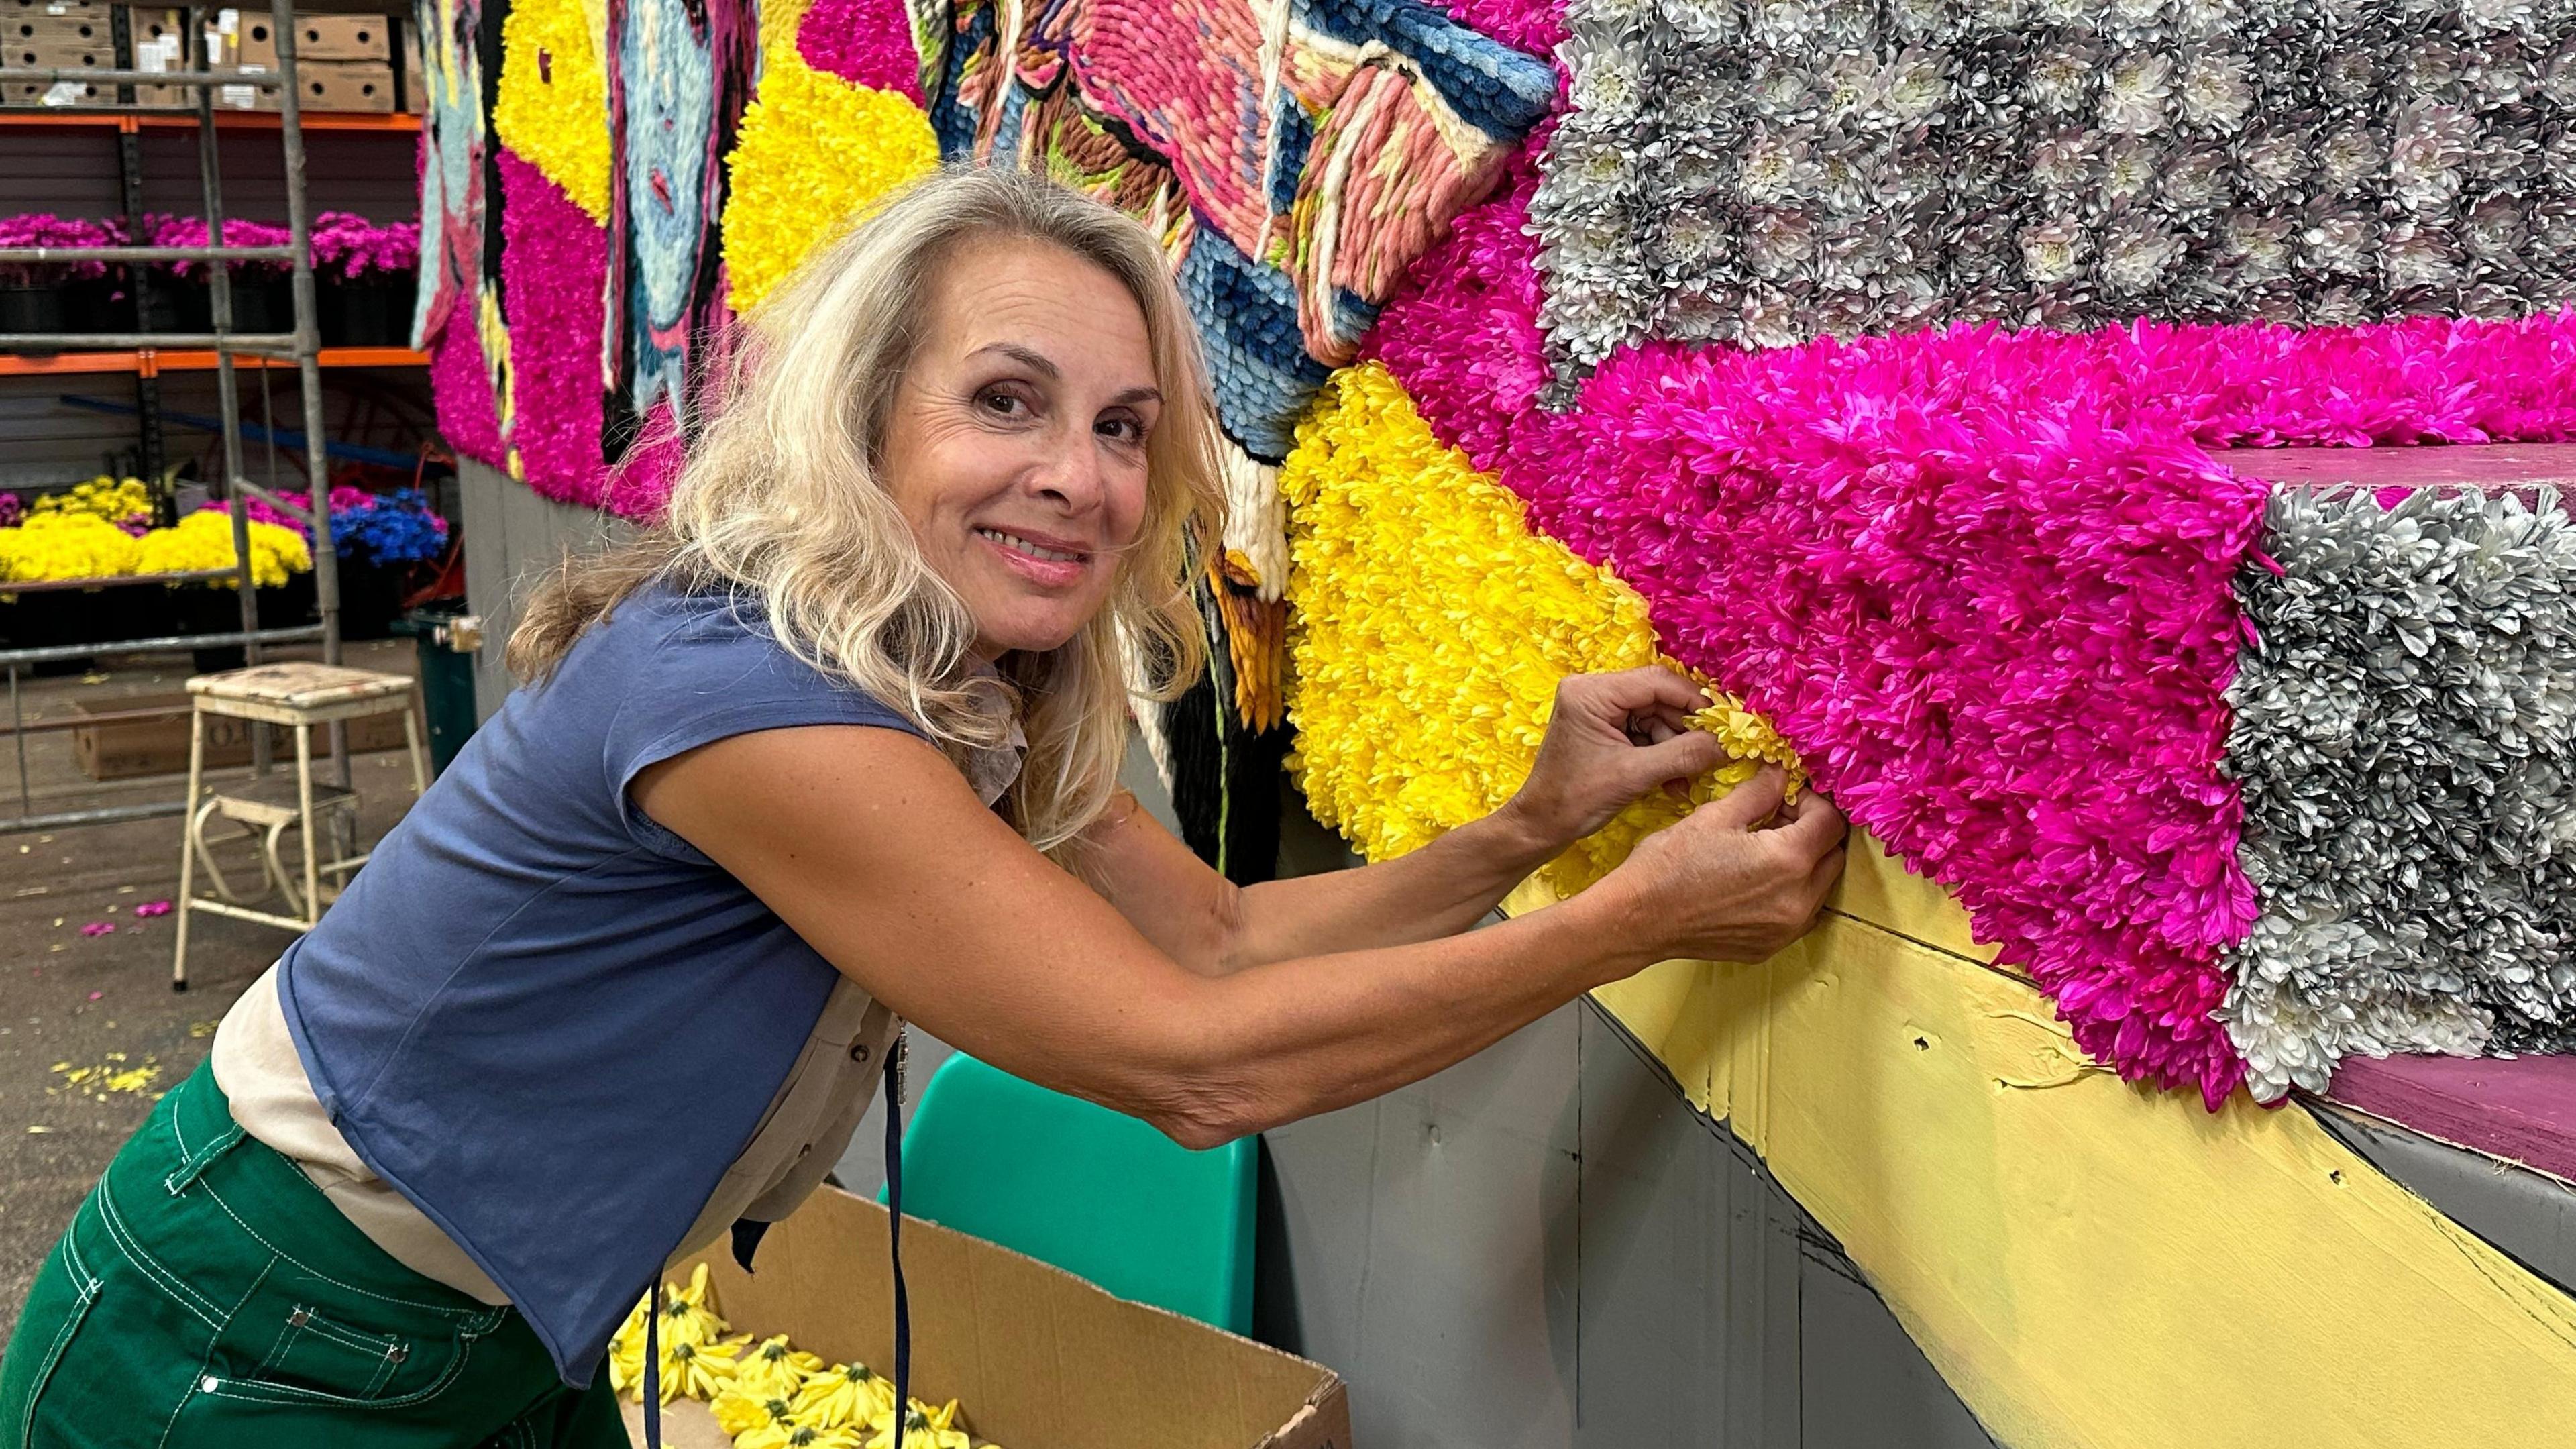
1907	371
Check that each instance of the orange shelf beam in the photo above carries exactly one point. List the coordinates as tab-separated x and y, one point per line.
148	362
132	120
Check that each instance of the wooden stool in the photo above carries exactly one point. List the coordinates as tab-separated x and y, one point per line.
300	696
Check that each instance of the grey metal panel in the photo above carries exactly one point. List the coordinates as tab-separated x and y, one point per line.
1431	1241
1690	1262
486	575
1420	1244
2527	1215
1862	1381
513	535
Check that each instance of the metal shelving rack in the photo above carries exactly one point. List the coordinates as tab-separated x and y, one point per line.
301	347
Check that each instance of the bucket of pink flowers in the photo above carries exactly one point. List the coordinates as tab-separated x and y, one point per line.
60	296
364	275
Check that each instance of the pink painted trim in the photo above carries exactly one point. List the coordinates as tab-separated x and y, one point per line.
2523	1109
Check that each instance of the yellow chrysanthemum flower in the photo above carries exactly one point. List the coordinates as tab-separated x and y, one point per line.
112	499
739	1411
73	545
1429	628
776	1370
798	1436
928	1431
844	1394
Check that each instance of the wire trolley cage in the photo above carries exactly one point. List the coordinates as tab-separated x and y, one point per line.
234	487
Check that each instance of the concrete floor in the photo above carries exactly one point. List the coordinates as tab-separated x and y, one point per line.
73	1000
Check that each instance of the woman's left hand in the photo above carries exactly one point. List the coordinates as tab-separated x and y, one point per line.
1612	738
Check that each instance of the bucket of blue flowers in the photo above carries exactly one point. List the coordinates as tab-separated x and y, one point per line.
380	538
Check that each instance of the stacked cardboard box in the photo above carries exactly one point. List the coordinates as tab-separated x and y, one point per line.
160	42
57	35
342	62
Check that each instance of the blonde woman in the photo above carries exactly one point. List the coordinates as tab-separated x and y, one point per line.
834	746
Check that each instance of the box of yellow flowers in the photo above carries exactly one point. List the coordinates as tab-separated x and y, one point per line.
1006	1351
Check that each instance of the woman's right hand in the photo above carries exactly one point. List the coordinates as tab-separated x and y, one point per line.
1737	879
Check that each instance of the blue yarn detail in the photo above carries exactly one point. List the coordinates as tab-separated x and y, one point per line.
1257	360
1491	86
1296	132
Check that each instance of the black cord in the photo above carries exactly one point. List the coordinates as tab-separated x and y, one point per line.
894	1235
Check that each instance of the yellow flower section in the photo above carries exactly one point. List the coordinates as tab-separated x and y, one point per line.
52	546
1429	628
813	150
553	109
101	497
205	541
768	1396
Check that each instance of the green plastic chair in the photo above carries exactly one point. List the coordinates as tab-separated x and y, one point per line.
1094	1192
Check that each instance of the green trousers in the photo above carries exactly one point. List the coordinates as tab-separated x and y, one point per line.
208	1296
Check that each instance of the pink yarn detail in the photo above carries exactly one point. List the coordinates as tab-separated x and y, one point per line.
868	42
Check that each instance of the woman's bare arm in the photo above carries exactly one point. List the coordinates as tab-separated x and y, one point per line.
1610	738
869	844
1212	926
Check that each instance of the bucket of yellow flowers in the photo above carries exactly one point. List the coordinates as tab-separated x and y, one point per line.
88	565
68	548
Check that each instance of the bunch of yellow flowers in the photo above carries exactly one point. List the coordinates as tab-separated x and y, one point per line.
205	541
59	545
116	500
81	541
769	1395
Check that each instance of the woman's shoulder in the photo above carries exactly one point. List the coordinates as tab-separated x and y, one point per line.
675	645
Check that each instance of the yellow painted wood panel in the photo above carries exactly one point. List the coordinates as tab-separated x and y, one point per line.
1877	888
2087	1262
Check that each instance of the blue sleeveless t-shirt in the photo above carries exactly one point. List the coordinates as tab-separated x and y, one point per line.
544	1019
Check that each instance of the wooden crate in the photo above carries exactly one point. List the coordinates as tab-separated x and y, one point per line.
126	749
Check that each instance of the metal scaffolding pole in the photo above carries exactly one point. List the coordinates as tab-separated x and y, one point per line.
303	344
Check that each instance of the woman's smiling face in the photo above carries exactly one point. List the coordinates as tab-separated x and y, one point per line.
1016	445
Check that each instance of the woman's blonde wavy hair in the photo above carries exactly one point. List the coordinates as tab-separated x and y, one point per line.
779	503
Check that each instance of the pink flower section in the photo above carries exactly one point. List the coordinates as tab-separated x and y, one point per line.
868	42
467	415
1535	26
640	484
1981	580
554	274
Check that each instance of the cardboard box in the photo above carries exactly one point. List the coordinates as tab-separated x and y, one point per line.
47	53
60	93
343	37
53	9
1035	1357
126	749
87	30
346	85
160	41
317	37
152	24
251	41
